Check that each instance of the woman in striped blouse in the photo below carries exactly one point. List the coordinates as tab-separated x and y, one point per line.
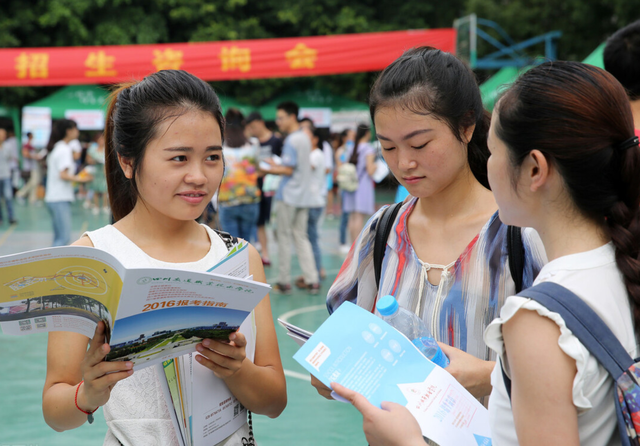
446	257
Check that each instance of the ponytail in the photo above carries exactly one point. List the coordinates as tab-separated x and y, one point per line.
122	191
579	117
477	149
623	221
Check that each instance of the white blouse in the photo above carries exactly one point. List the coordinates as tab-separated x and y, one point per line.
595	278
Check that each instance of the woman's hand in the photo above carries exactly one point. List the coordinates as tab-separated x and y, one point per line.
224	359
321	388
100	376
393	425
474	374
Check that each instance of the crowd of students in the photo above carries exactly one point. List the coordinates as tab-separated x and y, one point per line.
558	158
295	167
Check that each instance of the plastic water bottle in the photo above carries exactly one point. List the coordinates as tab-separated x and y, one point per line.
413	328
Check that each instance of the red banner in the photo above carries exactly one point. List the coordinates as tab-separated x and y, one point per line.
216	61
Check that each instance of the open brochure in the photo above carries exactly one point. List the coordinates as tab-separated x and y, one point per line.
202	408
165	312
362	352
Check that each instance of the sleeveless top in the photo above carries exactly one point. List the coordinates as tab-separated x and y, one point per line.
136	413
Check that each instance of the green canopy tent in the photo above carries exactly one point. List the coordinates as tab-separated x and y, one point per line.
228	103
74	97
93	97
496	84
493	87
85	104
596	57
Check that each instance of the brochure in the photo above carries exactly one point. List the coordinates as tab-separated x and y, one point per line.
203	410
299	335
362	352
165	312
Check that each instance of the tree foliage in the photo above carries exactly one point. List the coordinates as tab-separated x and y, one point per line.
36	23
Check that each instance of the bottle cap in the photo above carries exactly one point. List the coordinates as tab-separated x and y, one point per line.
387	305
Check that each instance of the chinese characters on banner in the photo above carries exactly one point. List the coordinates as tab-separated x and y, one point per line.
211	61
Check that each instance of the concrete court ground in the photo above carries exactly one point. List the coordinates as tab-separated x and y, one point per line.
308	419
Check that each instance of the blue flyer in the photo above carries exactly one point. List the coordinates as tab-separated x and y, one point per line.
362	352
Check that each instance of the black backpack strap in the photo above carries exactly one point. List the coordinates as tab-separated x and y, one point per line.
383	229
515	251
228	239
585	325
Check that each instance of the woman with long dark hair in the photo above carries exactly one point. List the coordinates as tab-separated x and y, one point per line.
164	164
239	194
61	173
360	204
446	258
565	161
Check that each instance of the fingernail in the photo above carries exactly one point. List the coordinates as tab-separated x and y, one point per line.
129	364
232	336
206	343
199	358
199	348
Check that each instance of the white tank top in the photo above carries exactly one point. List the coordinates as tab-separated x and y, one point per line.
136	412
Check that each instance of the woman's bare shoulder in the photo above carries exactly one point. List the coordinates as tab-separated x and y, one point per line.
83	241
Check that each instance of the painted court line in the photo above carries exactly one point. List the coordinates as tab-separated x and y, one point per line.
83	229
285	317
329	273
6	235
297	375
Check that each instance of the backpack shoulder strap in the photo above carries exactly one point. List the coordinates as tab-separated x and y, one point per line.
515	251
228	239
585	324
383	229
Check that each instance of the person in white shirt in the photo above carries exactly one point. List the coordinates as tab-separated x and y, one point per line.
61	173
318	193
564	161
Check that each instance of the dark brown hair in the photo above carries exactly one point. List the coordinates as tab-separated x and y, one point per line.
59	132
577	115
136	109
621	57
361	131
428	81
234	128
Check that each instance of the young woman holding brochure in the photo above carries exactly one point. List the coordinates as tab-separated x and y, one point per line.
565	161
164	163
446	257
